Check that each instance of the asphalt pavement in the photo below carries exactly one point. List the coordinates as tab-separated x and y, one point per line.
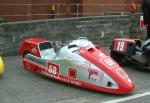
20	86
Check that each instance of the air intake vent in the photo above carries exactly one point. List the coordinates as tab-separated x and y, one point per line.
91	49
111	85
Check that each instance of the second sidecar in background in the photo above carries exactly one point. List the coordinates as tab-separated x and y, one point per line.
131	51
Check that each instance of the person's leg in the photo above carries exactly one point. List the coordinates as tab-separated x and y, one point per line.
148	31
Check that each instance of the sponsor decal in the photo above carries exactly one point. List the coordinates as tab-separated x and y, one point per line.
72	72
95	75
121	73
53	69
101	55
75	82
66	79
80	62
120	46
27	65
106	60
109	62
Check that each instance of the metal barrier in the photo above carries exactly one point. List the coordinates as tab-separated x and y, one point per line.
77	12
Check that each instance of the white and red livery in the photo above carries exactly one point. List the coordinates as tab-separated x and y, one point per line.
79	63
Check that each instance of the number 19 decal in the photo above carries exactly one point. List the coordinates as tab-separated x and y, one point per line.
53	69
121	45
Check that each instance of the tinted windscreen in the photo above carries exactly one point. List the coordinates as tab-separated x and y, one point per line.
45	45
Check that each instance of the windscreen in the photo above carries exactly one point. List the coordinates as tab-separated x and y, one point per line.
45	45
72	46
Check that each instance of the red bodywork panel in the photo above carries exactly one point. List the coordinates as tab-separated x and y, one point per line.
31	46
104	61
121	44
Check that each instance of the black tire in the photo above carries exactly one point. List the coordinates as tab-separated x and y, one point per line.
25	53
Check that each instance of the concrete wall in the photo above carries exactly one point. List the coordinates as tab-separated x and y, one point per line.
134	25
101	30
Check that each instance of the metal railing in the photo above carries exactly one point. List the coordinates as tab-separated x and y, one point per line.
102	8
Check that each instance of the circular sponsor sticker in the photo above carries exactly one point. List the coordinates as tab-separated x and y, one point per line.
72	73
27	66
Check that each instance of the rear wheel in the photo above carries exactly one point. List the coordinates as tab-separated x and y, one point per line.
25	53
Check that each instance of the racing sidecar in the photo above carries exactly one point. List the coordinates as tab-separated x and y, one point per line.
1	67
80	63
131	51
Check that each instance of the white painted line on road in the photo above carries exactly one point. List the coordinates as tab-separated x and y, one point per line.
128	98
